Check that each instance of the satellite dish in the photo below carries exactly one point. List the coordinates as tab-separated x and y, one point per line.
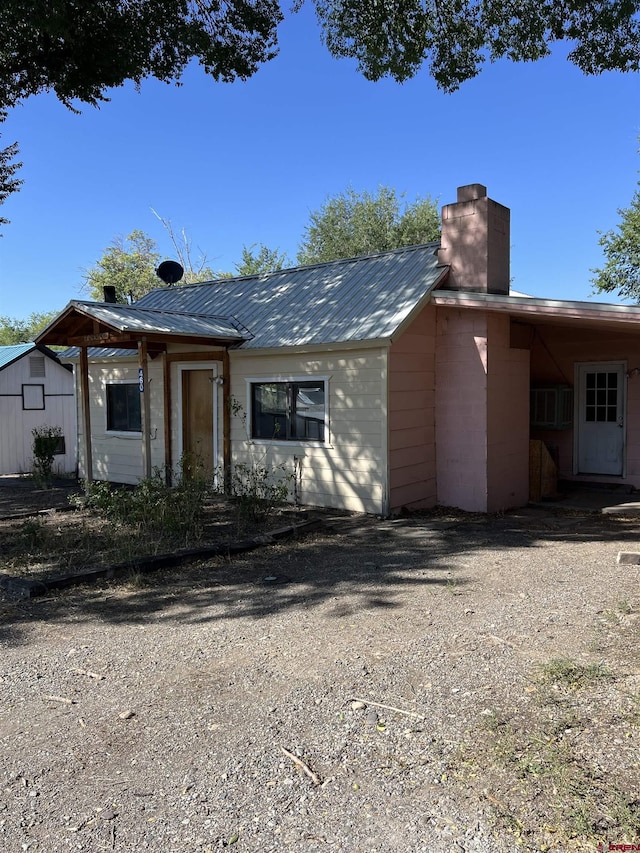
170	272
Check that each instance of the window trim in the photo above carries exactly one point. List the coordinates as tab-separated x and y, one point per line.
39	385
288	379
132	433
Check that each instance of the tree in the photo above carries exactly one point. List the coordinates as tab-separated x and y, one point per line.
621	247
8	182
129	265
195	269
352	224
14	331
455	37
258	258
81	49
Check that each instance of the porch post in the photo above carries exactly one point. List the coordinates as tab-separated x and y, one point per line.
226	421
145	408
166	373
86	414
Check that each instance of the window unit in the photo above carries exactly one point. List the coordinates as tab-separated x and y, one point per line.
552	407
293	410
123	407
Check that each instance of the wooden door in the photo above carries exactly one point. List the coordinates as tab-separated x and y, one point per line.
198	423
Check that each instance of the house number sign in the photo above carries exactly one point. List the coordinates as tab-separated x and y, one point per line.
141	380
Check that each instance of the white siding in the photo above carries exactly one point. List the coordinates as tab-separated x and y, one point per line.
16	424
349	470
117	457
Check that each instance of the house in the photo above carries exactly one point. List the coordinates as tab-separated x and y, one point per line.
35	390
407	378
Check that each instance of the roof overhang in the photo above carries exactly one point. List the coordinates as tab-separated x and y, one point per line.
536	311
101	324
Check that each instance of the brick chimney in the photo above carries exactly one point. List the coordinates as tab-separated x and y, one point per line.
475	242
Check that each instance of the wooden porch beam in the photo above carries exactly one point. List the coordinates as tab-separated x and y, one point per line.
145	408
86	414
168	463
226	421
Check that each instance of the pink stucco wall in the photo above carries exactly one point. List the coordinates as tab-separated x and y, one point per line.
507	418
482	413
461	410
412	476
555	350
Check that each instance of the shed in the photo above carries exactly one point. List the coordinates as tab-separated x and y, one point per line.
36	390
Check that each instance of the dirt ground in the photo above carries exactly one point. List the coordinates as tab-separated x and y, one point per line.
430	683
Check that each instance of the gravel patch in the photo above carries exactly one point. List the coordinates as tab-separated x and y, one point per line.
376	686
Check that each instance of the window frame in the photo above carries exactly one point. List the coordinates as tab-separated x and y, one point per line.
115	383
29	397
290	382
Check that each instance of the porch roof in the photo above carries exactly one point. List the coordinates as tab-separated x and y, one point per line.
108	324
535	310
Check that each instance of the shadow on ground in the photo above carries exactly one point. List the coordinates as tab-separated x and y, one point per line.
352	562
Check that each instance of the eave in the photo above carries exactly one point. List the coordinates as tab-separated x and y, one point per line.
548	311
84	324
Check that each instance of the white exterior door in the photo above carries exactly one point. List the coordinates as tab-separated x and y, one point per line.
600	418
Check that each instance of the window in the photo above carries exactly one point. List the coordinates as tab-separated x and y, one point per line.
289	411
32	397
551	407
123	408
601	397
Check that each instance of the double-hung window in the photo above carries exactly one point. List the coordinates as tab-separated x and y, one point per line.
289	411
123	407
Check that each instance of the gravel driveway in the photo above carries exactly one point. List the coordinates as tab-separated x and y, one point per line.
366	688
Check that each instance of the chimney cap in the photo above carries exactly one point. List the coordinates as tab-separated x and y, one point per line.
469	192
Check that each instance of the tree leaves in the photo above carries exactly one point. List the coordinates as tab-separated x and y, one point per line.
453	38
621	247
352	224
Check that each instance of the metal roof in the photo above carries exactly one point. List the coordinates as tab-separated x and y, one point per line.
351	300
135	318
13	352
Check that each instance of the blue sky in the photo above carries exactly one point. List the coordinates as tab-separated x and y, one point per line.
244	163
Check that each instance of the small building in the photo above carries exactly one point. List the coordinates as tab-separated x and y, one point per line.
35	390
408	378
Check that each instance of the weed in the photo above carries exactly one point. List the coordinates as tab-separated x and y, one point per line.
152	509
32	532
259	488
137	580
571	674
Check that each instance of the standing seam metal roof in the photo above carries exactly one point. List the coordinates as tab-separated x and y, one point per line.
351	300
135	318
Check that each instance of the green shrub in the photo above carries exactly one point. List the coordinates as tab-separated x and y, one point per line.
151	508
259	488
45	442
